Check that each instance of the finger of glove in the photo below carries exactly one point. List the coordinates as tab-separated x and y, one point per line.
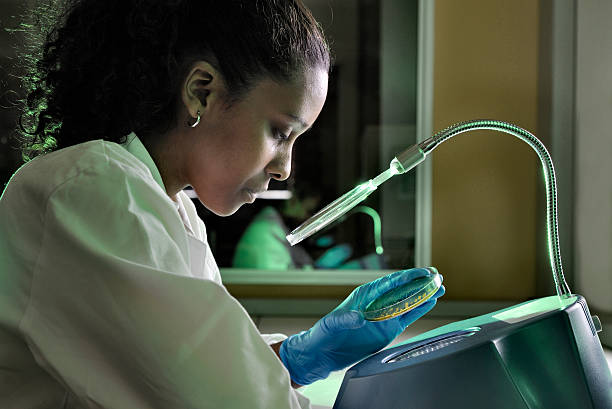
441	291
413	315
365	294
425	307
422	309
342	320
390	281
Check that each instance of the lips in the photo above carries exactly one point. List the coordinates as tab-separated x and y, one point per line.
255	192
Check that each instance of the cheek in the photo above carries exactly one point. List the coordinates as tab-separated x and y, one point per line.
230	153
243	159
252	153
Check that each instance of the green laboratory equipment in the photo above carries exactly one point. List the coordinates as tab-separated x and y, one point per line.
540	354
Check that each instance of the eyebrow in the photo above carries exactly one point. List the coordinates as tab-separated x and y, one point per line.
299	121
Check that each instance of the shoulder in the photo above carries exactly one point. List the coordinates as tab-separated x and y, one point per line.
93	157
95	194
100	195
96	159
93	178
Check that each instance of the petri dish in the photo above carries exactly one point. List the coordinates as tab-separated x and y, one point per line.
403	298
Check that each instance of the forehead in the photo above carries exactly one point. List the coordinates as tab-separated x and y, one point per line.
302	97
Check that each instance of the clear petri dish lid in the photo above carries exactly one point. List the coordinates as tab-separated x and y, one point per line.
403	298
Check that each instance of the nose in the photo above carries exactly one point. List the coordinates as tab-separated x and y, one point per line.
280	167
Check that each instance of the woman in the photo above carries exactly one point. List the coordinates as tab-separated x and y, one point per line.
109	294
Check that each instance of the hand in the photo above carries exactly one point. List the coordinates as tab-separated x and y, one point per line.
344	337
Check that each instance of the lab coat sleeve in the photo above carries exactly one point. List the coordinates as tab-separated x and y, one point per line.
115	317
273	338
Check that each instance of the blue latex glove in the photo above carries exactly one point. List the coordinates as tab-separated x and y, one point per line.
344	337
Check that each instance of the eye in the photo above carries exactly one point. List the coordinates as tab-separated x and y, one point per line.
281	136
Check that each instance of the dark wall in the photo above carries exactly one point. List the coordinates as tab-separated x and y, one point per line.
10	93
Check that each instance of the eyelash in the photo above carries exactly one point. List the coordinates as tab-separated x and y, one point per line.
279	135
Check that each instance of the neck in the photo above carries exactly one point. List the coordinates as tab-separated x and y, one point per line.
167	158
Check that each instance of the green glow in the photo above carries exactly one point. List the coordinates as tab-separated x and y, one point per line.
377	226
339	207
324	392
533	308
541	305
331	212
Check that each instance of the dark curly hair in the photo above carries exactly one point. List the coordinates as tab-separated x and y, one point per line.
100	69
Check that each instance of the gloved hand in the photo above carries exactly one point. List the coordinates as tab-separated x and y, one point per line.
344	336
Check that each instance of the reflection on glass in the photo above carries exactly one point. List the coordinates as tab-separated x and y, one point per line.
263	246
369	116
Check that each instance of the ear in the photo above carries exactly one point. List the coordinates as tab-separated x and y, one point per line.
203	87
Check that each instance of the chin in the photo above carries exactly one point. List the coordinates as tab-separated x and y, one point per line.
222	211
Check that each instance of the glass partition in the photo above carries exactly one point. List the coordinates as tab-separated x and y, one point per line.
369	116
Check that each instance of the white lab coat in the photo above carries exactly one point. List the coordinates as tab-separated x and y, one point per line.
110	296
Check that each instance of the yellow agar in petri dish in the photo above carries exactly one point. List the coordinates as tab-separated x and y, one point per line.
403	298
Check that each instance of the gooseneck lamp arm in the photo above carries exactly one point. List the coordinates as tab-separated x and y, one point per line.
416	154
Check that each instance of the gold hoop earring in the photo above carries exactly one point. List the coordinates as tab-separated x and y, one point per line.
197	122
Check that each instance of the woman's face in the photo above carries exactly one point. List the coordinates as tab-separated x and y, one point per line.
238	150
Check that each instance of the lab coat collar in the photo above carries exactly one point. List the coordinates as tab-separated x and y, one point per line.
134	146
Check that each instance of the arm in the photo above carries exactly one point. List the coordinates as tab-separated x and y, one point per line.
114	315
